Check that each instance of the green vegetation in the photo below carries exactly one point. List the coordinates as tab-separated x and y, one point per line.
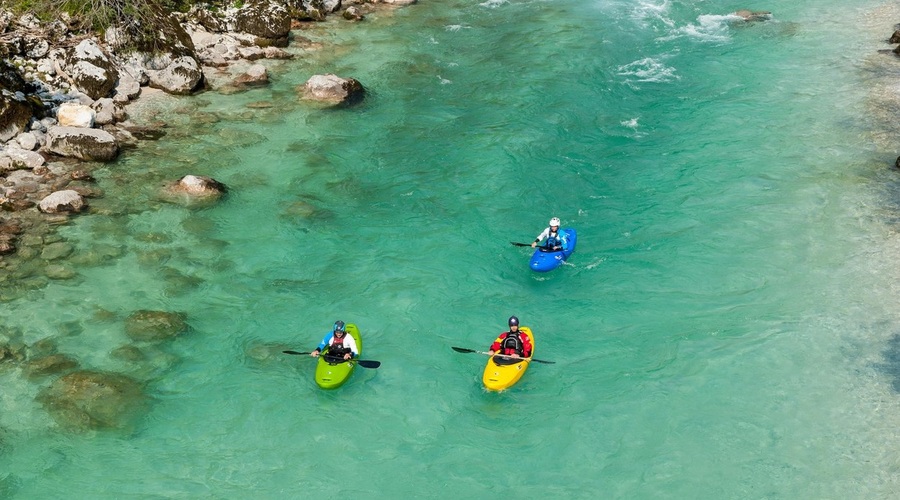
136	17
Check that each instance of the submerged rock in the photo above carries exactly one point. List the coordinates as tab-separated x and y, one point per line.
752	16
147	325
49	365
87	400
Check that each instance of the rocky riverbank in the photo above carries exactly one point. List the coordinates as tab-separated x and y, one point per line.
66	97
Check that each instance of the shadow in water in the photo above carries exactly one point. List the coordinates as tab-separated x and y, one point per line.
891	364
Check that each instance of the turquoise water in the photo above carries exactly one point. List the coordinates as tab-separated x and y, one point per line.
725	328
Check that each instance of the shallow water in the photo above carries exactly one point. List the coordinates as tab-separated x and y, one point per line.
724	329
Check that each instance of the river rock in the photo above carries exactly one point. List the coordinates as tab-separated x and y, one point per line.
88	400
181	75
333	89
27	141
22	159
15	112
7	245
255	75
62	201
145	325
353	13
269	21
74	114
91	70
49	365
192	188
59	272
108	111
127	89
82	143
57	250
752	16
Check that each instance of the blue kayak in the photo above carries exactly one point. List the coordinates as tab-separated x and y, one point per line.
543	261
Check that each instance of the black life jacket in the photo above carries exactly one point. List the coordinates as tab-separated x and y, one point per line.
512	341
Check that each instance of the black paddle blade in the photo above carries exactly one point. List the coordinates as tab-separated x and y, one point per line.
543	361
368	363
520	244
294	352
463	350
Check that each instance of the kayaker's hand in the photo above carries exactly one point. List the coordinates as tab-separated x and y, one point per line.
557	247
491	352
533	245
315	353
347	356
514	355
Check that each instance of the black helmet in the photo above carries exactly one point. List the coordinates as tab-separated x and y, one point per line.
338	326
513	321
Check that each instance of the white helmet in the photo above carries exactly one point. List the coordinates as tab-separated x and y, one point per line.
554	221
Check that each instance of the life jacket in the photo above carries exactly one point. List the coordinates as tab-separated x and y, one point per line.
512	342
337	346
553	239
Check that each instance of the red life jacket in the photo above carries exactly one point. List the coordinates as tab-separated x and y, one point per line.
337	346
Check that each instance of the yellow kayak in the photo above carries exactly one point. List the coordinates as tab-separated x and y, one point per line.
502	372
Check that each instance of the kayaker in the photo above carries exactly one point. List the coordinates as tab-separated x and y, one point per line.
340	345
513	343
555	239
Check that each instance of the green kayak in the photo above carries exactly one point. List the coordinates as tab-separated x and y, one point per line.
331	373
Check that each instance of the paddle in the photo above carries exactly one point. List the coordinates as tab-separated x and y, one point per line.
365	363
520	244
464	350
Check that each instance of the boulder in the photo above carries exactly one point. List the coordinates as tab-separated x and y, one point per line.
91	70
88	400
127	89
27	141
108	111
752	16
270	22
14	116
353	13
74	114
35	47
255	75
22	159
333	89
57	250
15	110
194	191
144	325
7	247
180	76
62	201
49	365
210	20
83	143
895	38
216	49
164	59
